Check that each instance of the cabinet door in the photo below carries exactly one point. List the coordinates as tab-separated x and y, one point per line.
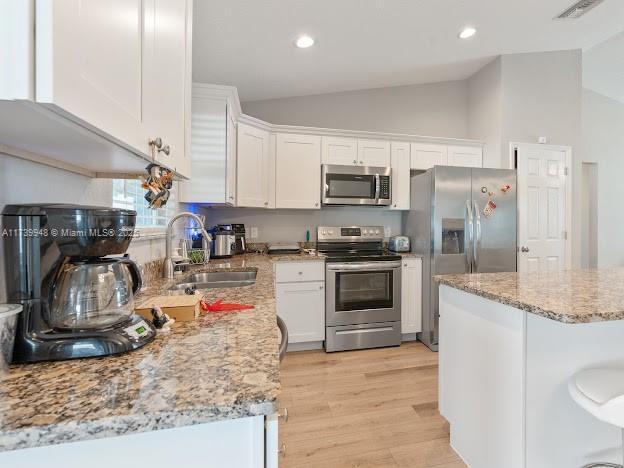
425	156
411	295
164	77
88	65
374	153
209	139
298	171
230	163
302	306
400	158
465	156
341	151
253	167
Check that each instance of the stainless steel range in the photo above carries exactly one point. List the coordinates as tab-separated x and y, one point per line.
363	289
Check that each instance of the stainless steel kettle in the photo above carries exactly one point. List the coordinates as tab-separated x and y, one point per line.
94	293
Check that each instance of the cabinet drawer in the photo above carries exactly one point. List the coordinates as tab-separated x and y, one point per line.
294	272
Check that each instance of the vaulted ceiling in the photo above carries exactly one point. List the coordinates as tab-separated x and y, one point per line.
376	43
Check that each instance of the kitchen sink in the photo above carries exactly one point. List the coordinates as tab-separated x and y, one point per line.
216	279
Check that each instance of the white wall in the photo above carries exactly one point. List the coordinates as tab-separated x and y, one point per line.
291	225
541	97
27	182
603	142
485	111
439	109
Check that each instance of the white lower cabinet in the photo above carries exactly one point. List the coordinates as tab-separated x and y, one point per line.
300	303
411	296
234	443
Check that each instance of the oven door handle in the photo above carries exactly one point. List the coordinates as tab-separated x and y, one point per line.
368	266
377	187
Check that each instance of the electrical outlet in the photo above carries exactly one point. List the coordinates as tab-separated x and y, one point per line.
387	231
254	232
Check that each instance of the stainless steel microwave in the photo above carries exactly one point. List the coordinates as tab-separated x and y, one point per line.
356	185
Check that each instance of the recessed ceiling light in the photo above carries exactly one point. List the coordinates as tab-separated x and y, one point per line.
467	32
303	42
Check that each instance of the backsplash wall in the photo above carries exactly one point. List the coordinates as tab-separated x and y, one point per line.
291	225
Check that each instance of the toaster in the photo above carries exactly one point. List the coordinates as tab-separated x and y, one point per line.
399	244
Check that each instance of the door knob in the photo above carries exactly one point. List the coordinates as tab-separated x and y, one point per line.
284	415
524	249
282	450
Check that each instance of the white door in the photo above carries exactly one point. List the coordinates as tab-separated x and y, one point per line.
411	296
298	171
253	167
542	207
424	156
373	153
165	78
465	156
400	161
302	306
88	62
341	151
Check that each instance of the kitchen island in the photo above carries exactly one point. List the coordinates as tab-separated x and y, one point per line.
212	384
509	343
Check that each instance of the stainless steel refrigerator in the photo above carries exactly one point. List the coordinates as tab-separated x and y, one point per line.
450	226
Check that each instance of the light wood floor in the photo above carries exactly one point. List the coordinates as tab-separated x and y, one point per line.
370	408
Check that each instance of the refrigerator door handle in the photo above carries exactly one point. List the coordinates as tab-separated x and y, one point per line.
469	237
477	237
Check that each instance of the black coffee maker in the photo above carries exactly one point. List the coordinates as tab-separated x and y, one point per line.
77	300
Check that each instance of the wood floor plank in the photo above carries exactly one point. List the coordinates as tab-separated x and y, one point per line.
370	408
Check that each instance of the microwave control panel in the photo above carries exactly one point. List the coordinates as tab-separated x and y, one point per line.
384	187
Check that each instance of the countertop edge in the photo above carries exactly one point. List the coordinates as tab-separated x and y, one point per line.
115	426
549	314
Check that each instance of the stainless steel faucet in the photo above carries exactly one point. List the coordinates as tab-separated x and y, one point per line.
205	239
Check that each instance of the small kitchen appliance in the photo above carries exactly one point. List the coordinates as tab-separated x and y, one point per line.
223	241
77	300
399	244
356	185
239	239
363	288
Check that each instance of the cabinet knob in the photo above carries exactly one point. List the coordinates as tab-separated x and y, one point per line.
354	161
316	204
156	142
320	287
361	162
165	149
282	450
405	264
301	272
231	197
266	203
524	249
284	415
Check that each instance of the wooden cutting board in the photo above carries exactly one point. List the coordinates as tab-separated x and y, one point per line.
182	308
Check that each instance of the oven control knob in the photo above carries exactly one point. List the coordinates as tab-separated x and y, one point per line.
377	231
365	231
330	232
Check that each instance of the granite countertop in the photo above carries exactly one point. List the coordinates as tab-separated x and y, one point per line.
570	296
220	366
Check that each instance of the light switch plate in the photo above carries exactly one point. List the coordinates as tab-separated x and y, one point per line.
254	232
387	231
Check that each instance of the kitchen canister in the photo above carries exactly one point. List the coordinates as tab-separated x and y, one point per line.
8	325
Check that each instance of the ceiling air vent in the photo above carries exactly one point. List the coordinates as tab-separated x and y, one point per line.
579	9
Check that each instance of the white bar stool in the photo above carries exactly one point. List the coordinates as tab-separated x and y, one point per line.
601	392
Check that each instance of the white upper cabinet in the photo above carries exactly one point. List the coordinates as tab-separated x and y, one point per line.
106	77
424	156
297	171
255	180
88	64
465	156
341	151
212	153
373	153
166	77
400	162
